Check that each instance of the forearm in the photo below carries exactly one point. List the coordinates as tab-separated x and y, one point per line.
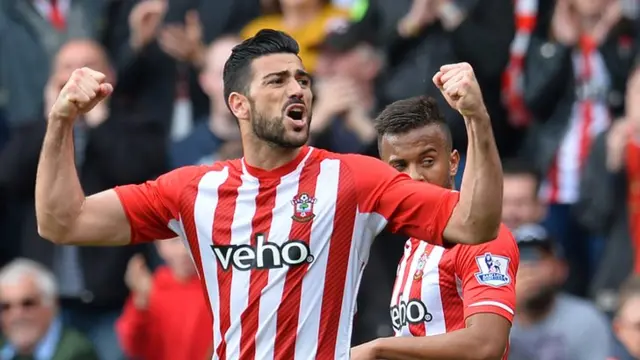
457	345
480	208
59	196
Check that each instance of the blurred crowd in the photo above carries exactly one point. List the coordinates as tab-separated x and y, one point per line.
560	78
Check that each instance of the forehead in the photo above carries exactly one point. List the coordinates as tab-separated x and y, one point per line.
25	286
415	141
275	63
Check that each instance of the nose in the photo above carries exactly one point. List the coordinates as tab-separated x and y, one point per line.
295	89
416	174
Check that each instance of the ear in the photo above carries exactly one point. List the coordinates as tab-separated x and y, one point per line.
239	105
454	162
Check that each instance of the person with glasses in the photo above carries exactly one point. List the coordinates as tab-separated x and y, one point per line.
29	320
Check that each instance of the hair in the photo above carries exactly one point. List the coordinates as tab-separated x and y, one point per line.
630	288
519	166
15	272
409	114
237	69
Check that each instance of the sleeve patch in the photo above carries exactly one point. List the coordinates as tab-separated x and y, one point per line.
493	270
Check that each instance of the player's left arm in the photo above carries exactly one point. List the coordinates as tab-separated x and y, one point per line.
489	303
484	338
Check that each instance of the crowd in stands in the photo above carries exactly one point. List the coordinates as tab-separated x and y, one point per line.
560	79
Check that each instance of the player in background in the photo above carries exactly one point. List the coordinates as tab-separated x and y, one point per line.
455	303
279	237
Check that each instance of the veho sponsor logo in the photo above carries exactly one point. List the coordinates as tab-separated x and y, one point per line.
409	312
265	255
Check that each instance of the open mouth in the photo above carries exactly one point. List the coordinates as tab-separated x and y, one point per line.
296	112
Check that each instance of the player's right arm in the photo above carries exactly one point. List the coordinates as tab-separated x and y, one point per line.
64	214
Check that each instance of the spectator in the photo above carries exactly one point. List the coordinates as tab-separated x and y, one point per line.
520	202
114	145
626	324
307	21
29	316
166	316
609	197
346	102
575	73
208	136
420	36
550	324
31	32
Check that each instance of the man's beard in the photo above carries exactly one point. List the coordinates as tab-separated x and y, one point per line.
541	302
272	130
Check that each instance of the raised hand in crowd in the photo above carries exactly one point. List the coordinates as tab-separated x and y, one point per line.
565	27
421	14
144	21
139	279
184	42
626	128
336	96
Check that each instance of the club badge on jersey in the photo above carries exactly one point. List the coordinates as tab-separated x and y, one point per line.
420	268
303	207
493	270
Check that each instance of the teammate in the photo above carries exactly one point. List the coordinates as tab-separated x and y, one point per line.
281	236
464	295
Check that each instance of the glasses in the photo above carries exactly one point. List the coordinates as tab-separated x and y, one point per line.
25	304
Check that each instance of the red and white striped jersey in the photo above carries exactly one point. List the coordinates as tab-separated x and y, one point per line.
436	288
280	253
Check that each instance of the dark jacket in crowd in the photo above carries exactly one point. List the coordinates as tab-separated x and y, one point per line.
126	148
549	84
602	209
28	43
483	39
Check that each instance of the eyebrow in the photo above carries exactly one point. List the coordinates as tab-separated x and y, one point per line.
299	73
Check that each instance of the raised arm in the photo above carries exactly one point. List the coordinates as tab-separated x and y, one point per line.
476	219
65	215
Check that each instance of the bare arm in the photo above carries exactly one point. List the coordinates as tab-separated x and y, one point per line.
484	338
65	215
477	216
479	210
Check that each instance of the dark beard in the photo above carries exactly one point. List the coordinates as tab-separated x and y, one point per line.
272	130
541	302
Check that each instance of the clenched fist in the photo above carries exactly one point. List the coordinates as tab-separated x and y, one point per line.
459	86
84	90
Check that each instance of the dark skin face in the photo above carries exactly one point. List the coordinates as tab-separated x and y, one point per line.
424	153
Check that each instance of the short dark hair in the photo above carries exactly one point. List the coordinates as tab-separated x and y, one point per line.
237	70
519	166
405	115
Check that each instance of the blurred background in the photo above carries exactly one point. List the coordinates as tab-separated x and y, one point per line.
560	79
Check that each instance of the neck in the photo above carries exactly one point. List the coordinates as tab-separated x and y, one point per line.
266	156
296	16
366	95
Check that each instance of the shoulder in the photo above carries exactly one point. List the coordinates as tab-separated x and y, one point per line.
75	345
332	11
579	308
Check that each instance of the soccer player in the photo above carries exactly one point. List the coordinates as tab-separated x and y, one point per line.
279	237
447	303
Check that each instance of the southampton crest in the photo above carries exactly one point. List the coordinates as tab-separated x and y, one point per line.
303	207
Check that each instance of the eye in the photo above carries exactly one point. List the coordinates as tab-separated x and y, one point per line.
276	81
304	82
399	167
428	162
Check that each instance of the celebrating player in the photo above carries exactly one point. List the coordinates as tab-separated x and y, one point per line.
463	295
281	236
